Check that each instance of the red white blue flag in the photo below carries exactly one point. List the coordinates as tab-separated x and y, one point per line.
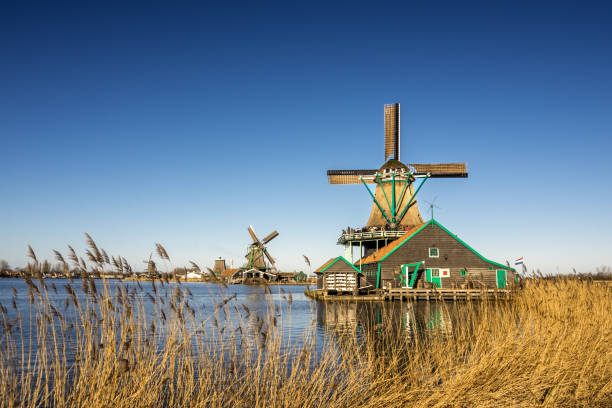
519	261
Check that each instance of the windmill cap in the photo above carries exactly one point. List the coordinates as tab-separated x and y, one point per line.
393	165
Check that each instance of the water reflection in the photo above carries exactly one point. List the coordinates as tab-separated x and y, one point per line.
410	319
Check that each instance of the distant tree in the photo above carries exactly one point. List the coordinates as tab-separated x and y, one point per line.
603	273
4	266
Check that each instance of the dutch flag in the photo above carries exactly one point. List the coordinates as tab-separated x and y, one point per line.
519	261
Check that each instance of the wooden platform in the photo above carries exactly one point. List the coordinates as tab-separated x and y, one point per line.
446	294
404	294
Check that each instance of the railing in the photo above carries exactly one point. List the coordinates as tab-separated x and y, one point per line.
361	236
454	294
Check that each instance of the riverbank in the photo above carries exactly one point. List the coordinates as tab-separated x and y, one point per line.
552	346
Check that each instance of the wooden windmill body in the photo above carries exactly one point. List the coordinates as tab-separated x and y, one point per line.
394	206
256	268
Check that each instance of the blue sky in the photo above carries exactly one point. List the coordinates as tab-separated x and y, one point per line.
184	123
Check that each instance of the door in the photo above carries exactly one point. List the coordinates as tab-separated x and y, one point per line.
433	276
407	278
501	278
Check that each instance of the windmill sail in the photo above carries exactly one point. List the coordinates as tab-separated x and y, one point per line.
392	131
270	237
351	176
253	235
394	198
441	170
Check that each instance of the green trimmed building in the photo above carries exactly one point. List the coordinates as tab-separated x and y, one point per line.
429	255
338	276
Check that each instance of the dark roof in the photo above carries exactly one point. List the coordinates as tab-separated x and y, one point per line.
333	261
325	265
229	272
393	164
384	252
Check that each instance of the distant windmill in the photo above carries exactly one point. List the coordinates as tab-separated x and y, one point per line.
432	205
257	251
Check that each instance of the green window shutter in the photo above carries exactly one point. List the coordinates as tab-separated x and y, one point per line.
463	272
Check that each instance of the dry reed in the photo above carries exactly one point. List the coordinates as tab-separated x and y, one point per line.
147	345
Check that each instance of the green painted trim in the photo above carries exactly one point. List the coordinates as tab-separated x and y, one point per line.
336	260
393	197
404	240
383	190
375	201
403	190
472	249
378	277
505	278
452	235
414	274
412	198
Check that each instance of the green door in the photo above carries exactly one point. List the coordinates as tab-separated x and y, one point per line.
501	278
433	276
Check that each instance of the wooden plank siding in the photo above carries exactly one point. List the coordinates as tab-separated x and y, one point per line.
369	272
339	275
452	255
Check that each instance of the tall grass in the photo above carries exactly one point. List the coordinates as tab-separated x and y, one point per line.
106	344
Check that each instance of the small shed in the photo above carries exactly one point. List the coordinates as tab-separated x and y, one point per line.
339	276
429	255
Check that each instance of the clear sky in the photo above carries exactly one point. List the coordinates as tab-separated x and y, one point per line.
183	123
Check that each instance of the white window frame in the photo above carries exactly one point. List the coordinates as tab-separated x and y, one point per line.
434	256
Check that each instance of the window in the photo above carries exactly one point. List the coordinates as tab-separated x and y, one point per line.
463	272
434	253
435	273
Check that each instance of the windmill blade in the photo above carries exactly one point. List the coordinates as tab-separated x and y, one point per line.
252	233
270	237
351	176
392	131
441	170
432	203
267	254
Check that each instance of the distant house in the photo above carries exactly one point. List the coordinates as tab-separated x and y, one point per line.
193	275
231	274
430	255
285	276
300	277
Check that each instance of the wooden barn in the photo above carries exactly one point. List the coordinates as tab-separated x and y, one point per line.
430	255
340	276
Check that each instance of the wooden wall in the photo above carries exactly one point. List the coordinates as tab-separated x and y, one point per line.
369	272
339	267
452	254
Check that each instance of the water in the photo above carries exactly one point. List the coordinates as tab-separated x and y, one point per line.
298	315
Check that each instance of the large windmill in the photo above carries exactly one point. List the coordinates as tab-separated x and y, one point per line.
394	207
257	251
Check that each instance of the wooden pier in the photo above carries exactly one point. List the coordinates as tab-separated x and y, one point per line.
405	294
446	294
